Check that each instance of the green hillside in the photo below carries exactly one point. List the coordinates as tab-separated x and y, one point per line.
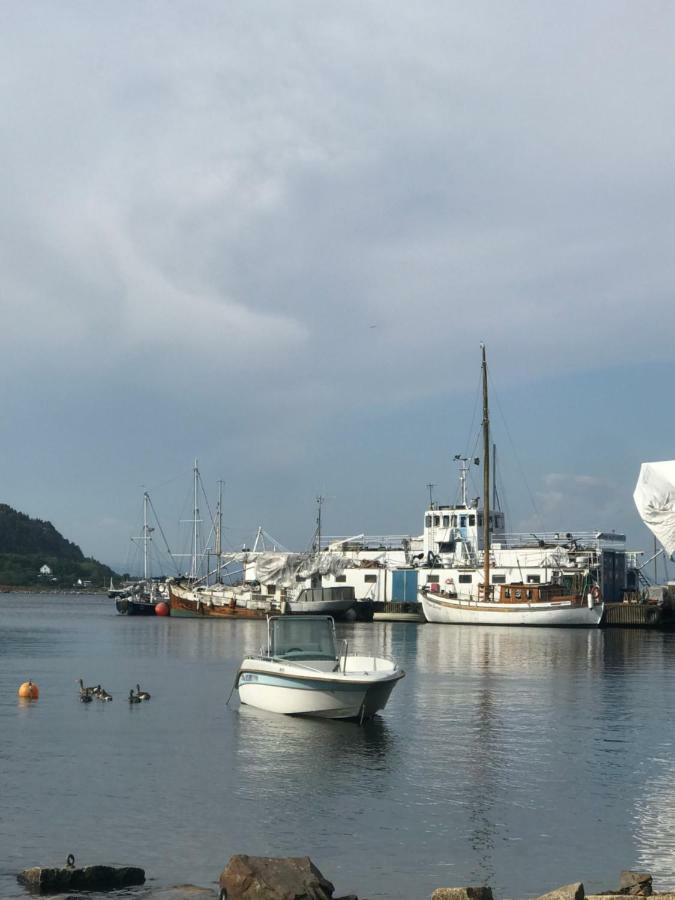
28	545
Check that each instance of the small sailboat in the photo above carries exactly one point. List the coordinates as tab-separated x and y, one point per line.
302	673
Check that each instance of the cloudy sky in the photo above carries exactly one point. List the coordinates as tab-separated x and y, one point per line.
272	235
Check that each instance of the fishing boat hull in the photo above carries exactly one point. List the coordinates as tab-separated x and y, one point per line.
563	614
290	691
129	606
189	604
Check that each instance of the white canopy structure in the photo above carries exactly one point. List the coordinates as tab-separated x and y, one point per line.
654	497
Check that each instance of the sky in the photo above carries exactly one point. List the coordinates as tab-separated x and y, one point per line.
271	236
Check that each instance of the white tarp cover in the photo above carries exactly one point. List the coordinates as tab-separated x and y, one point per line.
285	569
655	500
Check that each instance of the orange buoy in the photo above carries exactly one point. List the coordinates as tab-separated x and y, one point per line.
29	691
162	609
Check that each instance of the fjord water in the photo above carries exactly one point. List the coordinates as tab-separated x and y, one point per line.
521	758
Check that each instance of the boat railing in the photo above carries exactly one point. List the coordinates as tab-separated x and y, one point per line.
577	540
366	542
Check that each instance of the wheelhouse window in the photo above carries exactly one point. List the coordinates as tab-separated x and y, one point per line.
472	520
447	546
462	521
370	579
446	521
437	521
432	579
427	521
534	579
465	579
499	579
271	588
340	579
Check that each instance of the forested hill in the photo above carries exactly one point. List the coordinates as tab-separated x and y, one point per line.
34	554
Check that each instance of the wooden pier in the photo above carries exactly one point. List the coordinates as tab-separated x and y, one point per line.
636	615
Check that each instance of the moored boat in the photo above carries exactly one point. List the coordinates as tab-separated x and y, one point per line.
218	601
303	673
479	600
514	604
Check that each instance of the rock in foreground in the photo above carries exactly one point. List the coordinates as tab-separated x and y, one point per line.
44	880
636	884
271	878
566	892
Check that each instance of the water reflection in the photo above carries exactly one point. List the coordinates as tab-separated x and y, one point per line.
503	755
309	750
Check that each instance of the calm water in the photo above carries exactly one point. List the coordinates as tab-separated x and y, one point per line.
519	758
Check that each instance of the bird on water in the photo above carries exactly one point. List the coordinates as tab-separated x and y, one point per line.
142	695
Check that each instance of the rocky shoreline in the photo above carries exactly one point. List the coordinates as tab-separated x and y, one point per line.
281	878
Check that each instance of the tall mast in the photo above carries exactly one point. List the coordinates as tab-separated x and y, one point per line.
146	538
219	530
319	501
486	481
195	523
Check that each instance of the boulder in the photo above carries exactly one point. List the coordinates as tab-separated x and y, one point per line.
274	878
44	880
462	893
637	884
566	892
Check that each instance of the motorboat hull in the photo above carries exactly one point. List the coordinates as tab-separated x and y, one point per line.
565	614
330	695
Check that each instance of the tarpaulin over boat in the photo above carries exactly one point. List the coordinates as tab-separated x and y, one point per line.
286	569
655	500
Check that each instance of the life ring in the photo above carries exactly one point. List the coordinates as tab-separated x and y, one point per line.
449	581
595	592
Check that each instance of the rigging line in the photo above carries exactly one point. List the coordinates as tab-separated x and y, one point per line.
473	415
493	393
161	531
168	481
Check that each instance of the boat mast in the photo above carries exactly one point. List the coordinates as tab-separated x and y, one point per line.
317	541
219	530
195	524
146	537
486	481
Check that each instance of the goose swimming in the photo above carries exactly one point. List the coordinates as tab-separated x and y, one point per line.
142	695
133	698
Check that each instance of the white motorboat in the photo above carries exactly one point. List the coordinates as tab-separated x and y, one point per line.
303	673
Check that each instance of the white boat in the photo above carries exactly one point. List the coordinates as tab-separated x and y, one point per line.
479	600
303	673
514	604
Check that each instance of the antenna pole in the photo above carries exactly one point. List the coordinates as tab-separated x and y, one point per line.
431	487
486	480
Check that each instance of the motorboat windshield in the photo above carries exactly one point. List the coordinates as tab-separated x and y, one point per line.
302	638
